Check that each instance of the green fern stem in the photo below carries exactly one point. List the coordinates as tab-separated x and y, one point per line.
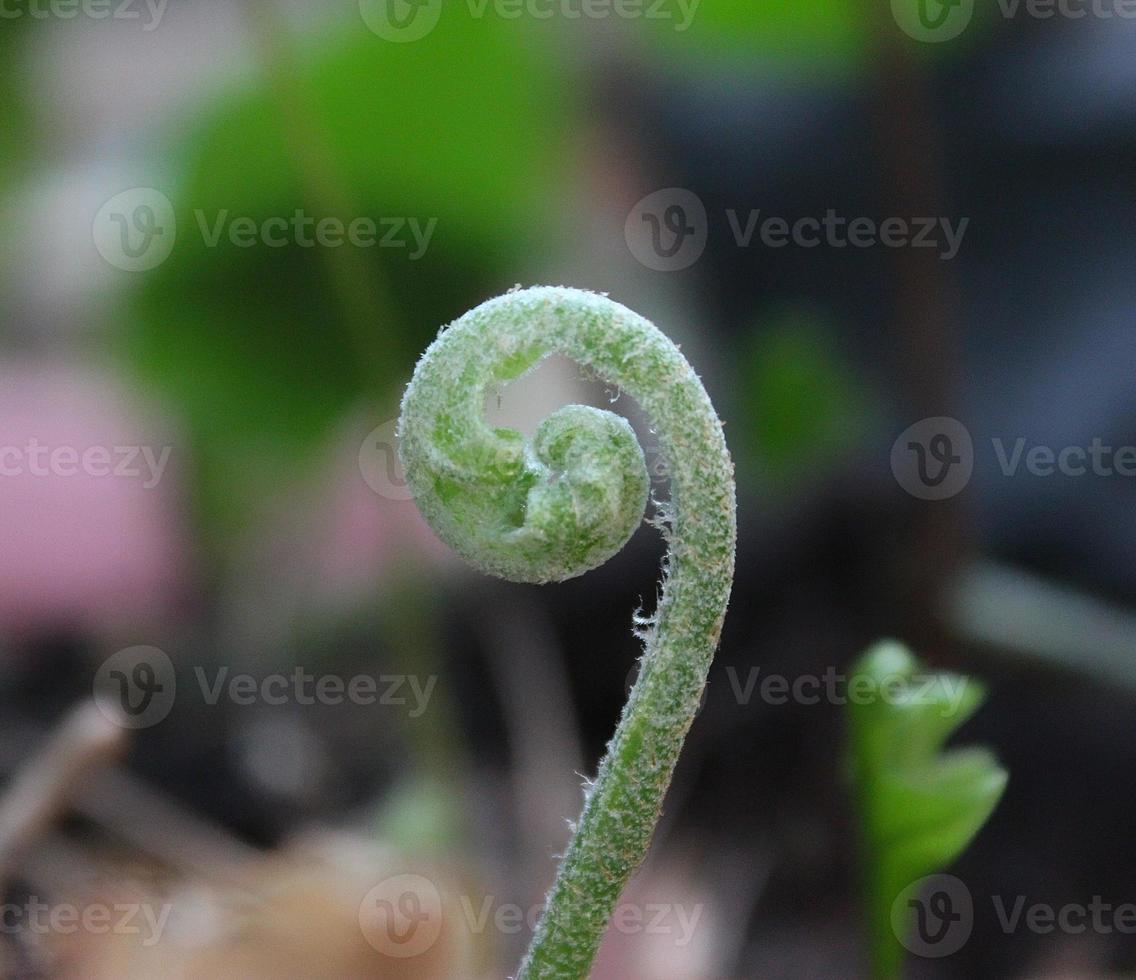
557	505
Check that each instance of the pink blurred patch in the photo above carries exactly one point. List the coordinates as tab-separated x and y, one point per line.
330	541
664	928
87	548
362	537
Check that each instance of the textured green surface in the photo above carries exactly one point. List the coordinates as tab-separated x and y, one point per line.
563	503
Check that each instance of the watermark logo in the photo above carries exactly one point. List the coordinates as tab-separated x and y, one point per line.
379	463
135	230
834	687
412	20
932	21
661	919
401	20
934	458
934	916
401	916
667	230
136	687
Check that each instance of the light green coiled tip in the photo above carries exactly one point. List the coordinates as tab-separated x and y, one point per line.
537	510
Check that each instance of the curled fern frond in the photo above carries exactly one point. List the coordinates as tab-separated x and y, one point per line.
562	503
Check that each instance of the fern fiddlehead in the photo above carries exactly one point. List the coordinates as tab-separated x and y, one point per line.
563	503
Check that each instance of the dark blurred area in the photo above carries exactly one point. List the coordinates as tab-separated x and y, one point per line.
229	231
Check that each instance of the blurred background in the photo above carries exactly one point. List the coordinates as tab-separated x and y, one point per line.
895	241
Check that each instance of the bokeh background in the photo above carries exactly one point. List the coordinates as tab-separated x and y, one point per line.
228	385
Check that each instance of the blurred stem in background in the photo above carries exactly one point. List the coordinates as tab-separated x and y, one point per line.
426	811
924	315
363	297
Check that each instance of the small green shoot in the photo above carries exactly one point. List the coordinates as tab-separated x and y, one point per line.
920	806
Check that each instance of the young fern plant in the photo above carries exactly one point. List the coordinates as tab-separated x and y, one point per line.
920	805
562	503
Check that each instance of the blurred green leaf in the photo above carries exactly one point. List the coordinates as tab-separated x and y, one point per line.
14	135
803	405
829	39
420	816
828	36
920	806
16	140
263	348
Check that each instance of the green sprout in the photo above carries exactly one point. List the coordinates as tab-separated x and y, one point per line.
562	503
920	806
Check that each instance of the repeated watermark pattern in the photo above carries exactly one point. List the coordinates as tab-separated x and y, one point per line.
305	688
668	230
147	13
137	687
935	21
136	230
934	916
379	464
403	916
144	464
35	917
301	229
628	918
834	687
403	21
934	459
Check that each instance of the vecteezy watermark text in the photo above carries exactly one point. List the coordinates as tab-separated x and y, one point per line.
34	458
668	230
628	918
306	231
150	12
403	916
411	20
304	688
36	917
137	229
840	231
934	916
934	459
681	12
935	21
837	688
136	688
